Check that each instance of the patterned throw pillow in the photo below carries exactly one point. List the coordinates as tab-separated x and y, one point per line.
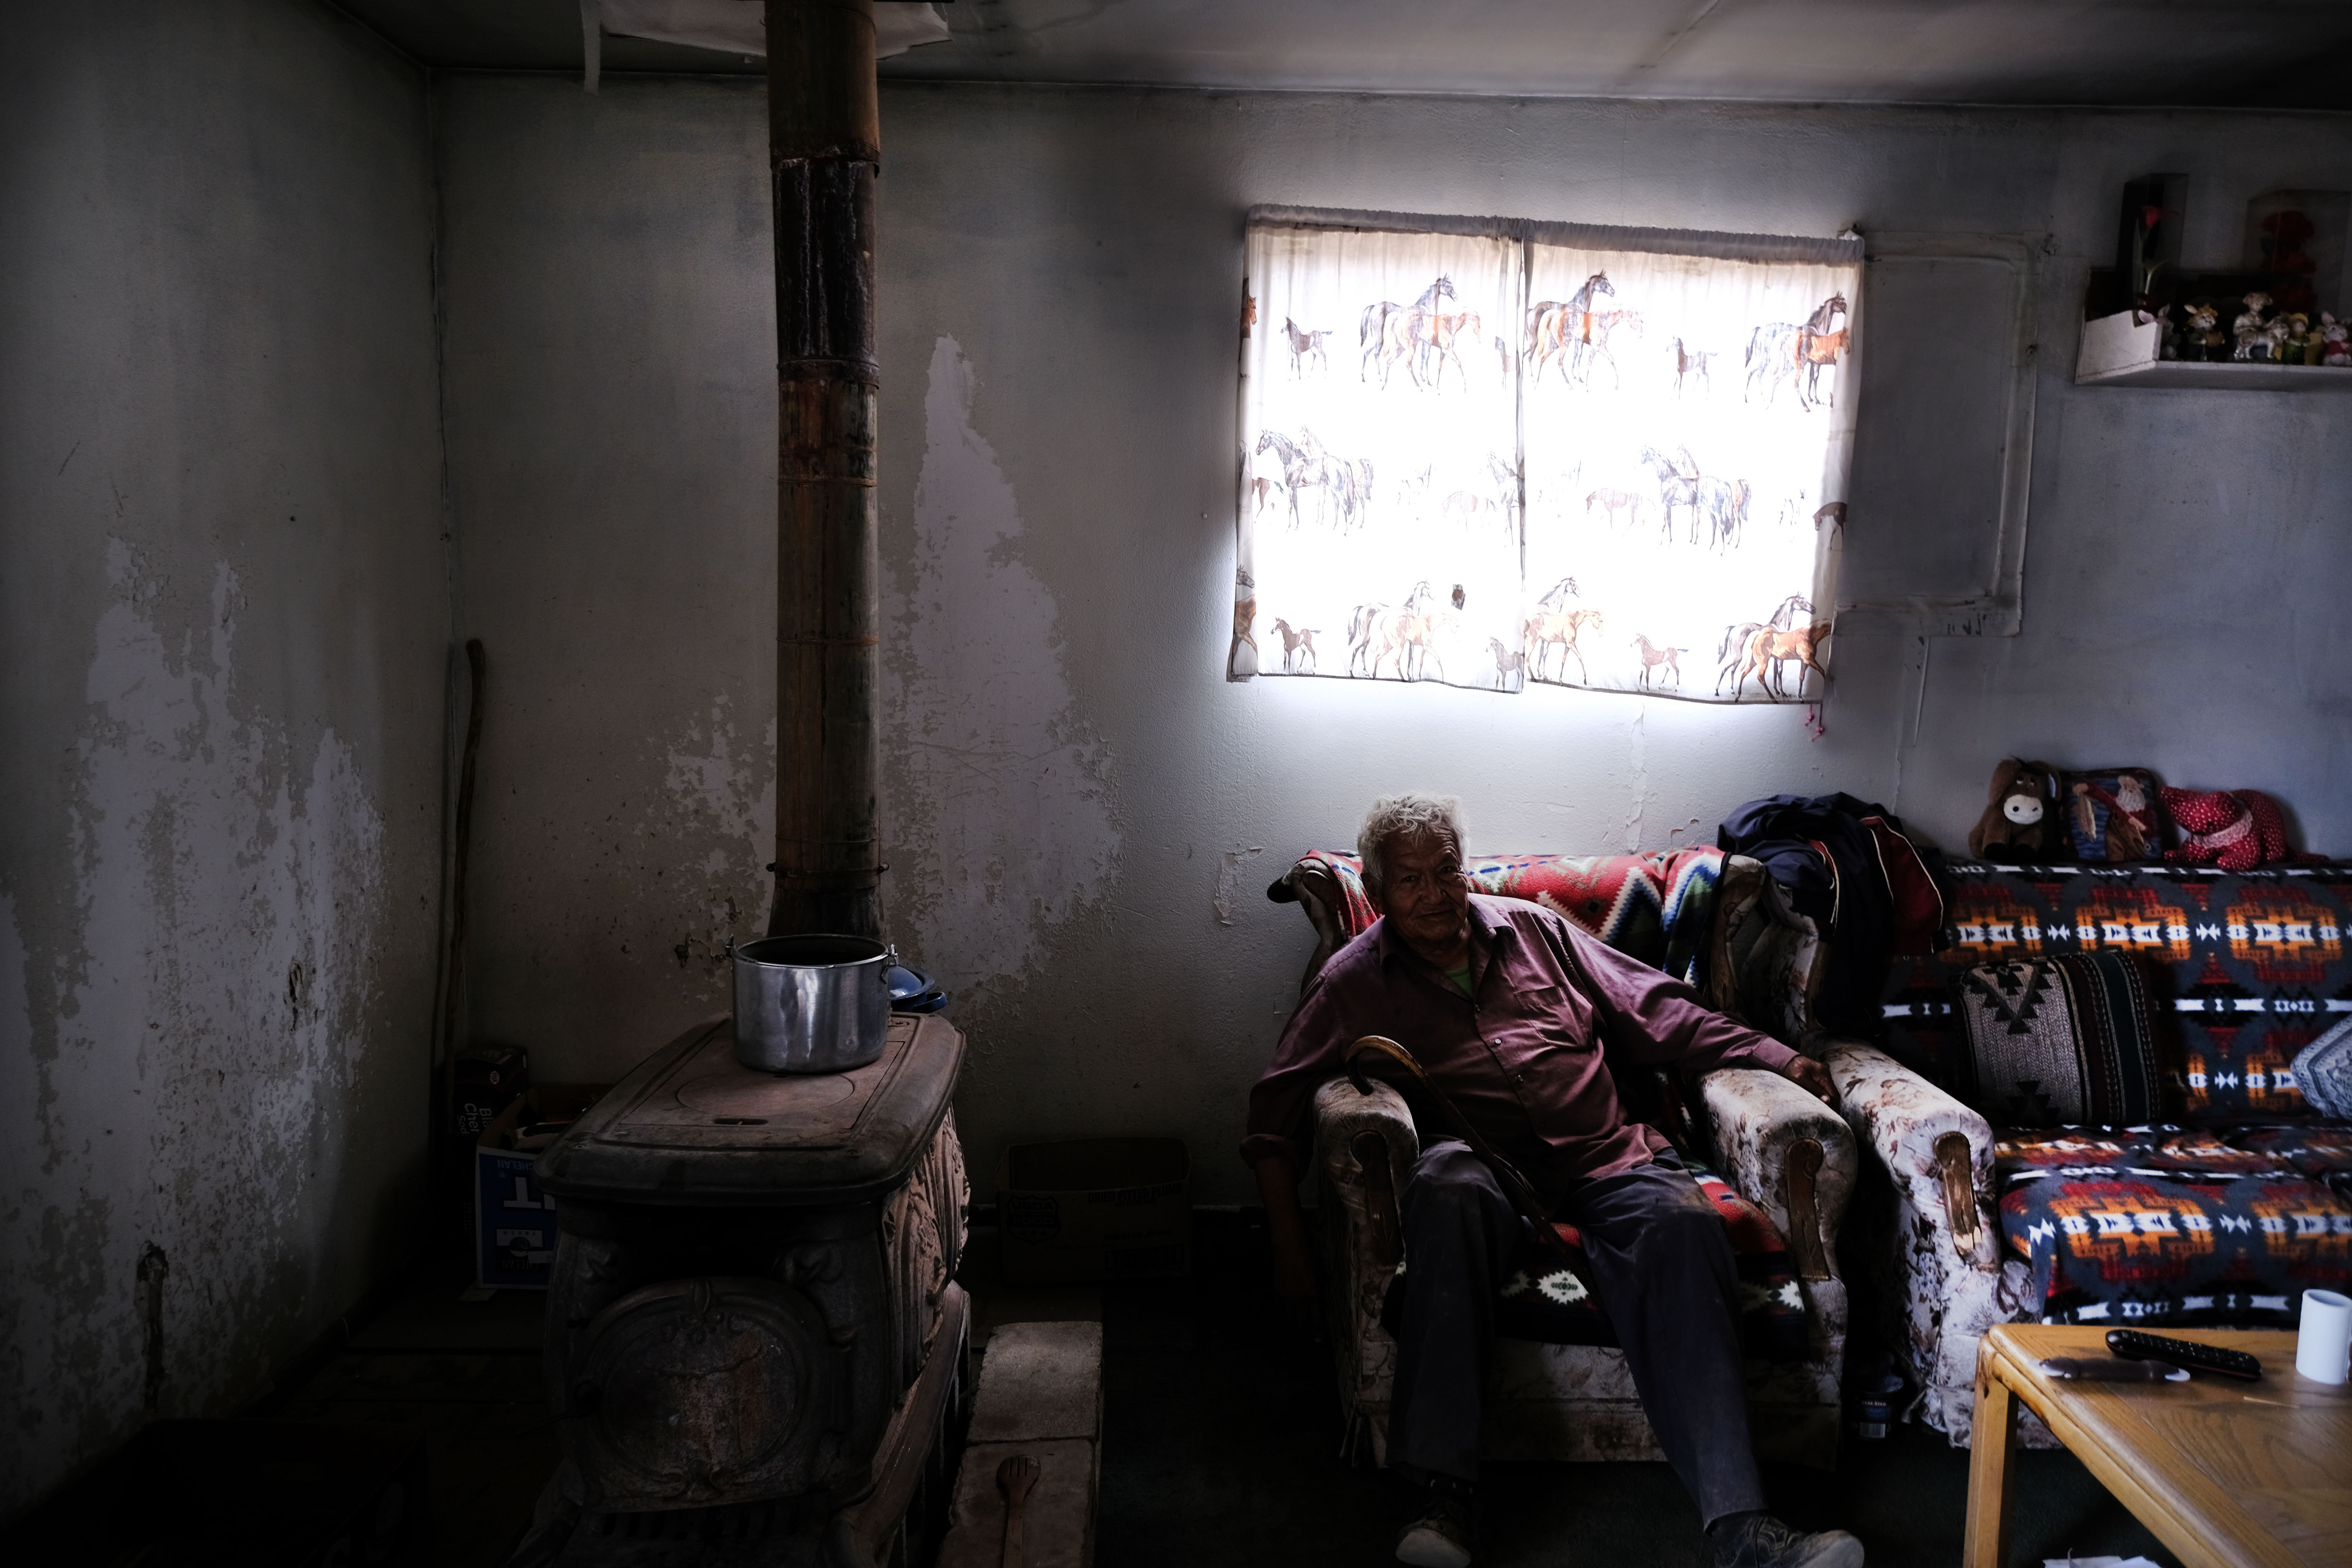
2068	1040
2323	1071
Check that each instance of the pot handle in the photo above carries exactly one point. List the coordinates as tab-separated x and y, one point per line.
889	962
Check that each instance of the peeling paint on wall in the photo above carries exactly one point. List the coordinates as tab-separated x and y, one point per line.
1004	827
1229	881
1637	765
720	812
192	1045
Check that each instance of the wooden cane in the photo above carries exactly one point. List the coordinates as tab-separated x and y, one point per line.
1374	1048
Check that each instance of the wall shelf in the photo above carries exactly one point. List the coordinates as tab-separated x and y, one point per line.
2115	353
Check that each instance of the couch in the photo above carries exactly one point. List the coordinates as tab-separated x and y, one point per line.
1780	1164
2223	1203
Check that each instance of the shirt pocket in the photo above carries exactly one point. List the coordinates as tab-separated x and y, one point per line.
1549	1018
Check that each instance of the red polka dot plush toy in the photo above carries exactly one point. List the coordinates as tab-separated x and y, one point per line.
2233	830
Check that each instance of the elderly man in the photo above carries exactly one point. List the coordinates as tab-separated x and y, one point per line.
1514	1014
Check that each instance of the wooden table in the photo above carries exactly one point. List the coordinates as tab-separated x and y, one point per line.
2225	1473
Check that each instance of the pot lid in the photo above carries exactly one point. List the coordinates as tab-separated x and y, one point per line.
693	1126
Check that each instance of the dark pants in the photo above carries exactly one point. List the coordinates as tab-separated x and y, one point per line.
1662	1270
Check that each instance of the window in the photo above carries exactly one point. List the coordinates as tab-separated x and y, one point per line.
1488	453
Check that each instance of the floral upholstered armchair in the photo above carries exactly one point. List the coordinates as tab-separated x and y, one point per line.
1778	1163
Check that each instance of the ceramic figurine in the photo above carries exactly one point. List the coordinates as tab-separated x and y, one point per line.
2201	338
2167	332
2253	343
2295	339
2335	342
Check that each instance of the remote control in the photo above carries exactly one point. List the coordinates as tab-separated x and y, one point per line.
2112	1369
2138	1346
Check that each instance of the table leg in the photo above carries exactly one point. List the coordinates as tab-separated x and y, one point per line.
1993	1449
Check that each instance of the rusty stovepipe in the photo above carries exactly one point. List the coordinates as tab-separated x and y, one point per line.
824	149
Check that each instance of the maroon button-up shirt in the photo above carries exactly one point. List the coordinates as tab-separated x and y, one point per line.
1524	1058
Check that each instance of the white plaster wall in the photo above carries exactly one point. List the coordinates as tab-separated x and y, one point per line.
223	614
612	412
1076	793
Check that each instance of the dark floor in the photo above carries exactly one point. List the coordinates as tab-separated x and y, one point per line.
466	1374
1221	1441
1222	1437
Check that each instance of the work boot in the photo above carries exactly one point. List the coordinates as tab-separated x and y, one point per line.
1759	1540
1440	1538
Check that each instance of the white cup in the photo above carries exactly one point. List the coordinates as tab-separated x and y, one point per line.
2324	1341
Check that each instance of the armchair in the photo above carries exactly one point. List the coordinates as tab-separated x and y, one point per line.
1930	1208
1777	1146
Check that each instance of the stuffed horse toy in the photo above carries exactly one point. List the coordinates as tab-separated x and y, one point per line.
2231	830
2020	823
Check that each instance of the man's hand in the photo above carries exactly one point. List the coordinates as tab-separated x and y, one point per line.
1293	1285
1813	1079
1286	1233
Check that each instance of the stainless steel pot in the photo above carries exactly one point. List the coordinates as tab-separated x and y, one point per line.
811	1004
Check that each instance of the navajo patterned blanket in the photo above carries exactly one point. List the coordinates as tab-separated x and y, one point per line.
2178	1226
1658	907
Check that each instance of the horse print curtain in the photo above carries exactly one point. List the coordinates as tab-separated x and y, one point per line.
1486	453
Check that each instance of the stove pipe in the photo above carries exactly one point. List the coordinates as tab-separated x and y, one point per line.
824	149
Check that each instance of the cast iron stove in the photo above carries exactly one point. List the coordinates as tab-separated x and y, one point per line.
753	1330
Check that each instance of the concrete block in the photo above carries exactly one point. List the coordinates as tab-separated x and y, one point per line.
1057	1526
1040	1382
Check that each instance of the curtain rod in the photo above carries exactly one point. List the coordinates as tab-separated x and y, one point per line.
1720	245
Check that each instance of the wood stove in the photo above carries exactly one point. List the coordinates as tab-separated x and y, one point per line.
754	1336
754	1318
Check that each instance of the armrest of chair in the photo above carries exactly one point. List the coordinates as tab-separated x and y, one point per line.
1938	1152
1788	1153
1366	1144
1312	888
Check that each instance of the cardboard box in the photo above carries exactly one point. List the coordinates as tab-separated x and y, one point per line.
1096	1208
488	1079
514	1219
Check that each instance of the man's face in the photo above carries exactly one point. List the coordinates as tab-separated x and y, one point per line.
1427	898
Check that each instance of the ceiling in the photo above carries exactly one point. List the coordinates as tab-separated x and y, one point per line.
2250	53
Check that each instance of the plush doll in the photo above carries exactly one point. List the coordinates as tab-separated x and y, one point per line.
2231	830
2020	825
2111	814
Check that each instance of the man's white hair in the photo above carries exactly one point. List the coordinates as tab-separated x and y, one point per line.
1410	813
